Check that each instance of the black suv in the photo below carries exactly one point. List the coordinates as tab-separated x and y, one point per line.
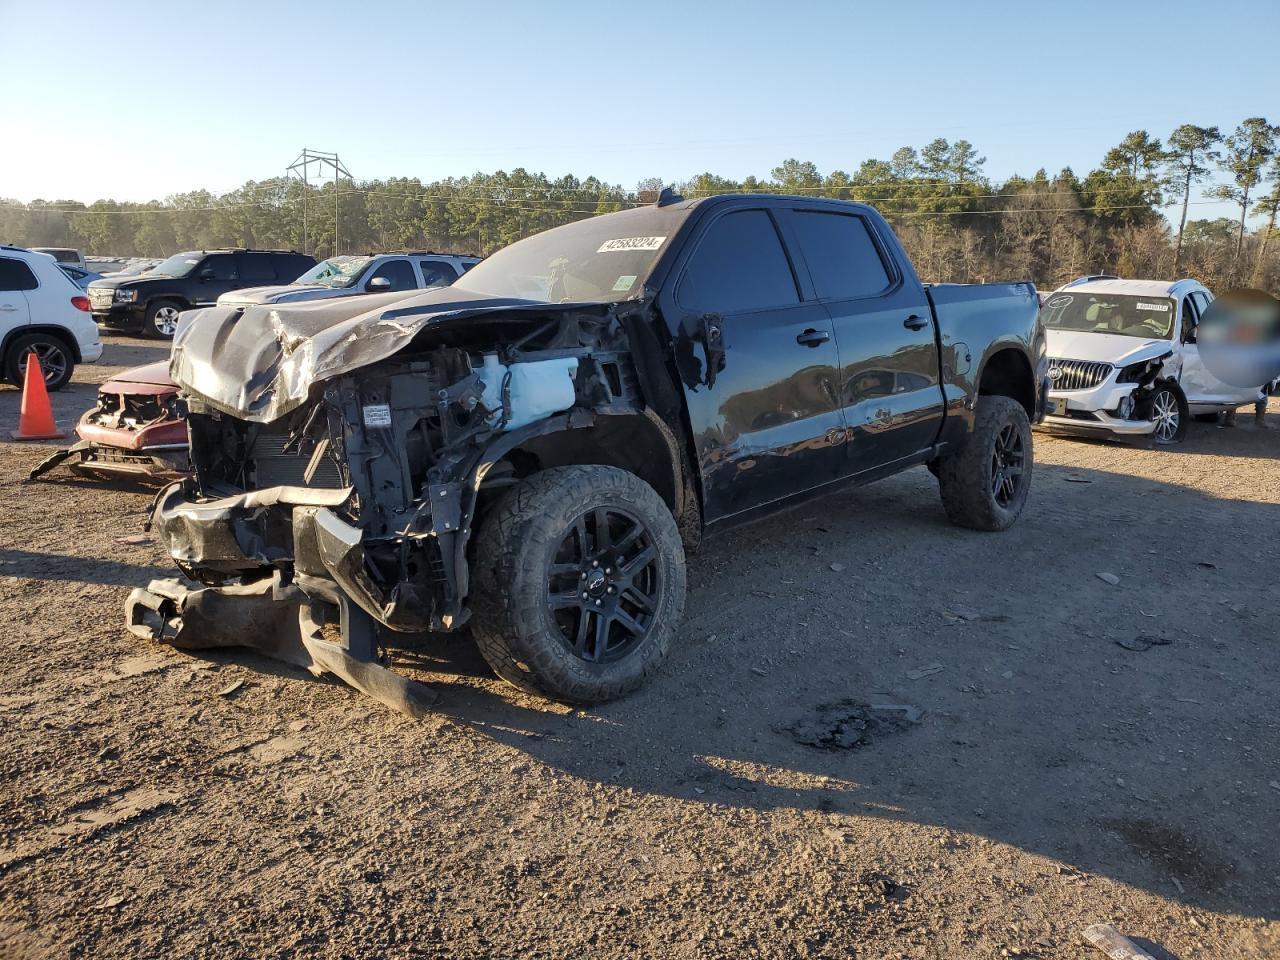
152	301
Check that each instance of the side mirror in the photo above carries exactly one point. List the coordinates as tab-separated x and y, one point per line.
206	273
379	283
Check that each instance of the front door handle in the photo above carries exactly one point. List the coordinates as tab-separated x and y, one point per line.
813	338
8	308
915	322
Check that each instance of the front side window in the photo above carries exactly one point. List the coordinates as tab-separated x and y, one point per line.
398	272
222	265
16	275
1190	317
739	266
1125	315
843	259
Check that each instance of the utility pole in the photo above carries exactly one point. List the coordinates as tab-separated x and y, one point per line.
301	168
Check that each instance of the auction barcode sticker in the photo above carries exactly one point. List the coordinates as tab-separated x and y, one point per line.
1162	307
377	415
631	243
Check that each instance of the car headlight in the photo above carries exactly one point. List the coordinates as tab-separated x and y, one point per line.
126	296
1142	371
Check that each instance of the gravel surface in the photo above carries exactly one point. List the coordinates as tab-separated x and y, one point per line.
771	794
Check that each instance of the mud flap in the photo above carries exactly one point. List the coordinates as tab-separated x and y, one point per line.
276	622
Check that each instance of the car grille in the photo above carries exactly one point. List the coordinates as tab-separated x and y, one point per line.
1077	374
101	299
276	467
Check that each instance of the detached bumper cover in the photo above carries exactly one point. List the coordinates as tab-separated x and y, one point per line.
275	620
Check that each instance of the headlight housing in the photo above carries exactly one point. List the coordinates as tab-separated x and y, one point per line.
126	296
1143	371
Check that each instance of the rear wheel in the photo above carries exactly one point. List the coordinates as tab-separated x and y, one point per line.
57	362
580	583
984	484
162	319
1169	414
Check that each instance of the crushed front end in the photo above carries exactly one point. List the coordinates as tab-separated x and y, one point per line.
353	508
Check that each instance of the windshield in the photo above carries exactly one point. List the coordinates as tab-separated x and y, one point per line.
605	258
335	272
179	265
1126	316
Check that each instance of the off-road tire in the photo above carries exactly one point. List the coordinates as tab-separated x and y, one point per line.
56	376
511	620
151	326
965	476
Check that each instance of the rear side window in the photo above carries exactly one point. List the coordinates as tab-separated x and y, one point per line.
16	275
842	257
256	266
436	274
739	266
290	266
399	272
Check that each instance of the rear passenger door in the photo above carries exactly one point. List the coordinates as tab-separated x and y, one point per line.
890	388
767	425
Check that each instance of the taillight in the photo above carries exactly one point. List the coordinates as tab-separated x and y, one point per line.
80	303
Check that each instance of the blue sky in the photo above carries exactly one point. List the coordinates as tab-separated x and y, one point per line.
135	100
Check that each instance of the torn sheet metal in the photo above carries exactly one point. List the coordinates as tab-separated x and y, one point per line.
261	362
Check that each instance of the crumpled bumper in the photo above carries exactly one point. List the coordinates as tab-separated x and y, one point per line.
276	620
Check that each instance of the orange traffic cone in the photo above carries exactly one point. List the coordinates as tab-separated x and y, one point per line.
35	421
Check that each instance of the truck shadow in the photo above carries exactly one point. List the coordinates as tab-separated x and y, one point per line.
1148	765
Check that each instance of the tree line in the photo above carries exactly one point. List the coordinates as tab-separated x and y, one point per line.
958	224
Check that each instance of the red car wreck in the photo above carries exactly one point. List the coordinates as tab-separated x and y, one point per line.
135	430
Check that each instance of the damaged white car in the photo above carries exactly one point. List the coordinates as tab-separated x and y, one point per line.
1124	359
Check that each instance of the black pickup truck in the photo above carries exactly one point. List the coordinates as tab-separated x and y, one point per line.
531	450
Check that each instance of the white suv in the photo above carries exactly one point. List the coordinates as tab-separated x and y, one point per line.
42	311
1124	359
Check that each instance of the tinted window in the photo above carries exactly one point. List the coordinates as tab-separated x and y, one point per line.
842	257
16	275
290	266
399	272
223	266
738	266
436	273
1202	301
256	266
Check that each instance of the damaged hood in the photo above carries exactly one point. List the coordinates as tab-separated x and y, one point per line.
284	293
151	376
1104	347
260	362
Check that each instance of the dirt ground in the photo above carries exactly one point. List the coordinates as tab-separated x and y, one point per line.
158	804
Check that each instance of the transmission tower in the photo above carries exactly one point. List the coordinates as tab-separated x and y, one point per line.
301	168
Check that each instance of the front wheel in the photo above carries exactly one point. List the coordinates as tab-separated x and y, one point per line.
162	319
580	584
984	484
1169	414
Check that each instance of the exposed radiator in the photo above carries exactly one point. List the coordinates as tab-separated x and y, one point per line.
273	467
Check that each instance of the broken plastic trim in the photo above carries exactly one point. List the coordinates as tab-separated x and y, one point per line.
276	621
